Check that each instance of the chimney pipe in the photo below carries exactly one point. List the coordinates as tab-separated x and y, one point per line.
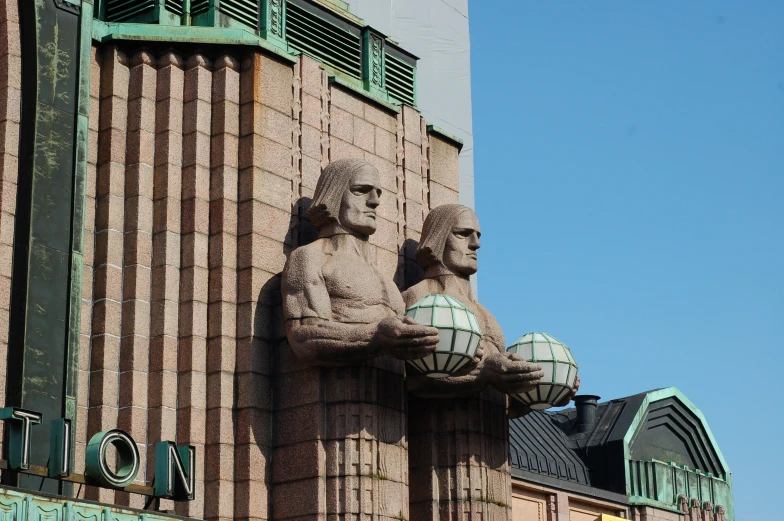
586	405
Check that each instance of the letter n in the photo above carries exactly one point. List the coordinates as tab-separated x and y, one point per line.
175	471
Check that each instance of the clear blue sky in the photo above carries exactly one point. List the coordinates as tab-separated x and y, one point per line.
630	185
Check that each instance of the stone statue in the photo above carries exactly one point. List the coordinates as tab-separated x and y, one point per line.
447	254
459	425
339	309
343	384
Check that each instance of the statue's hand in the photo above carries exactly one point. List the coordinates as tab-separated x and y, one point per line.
566	400
406	339
509	373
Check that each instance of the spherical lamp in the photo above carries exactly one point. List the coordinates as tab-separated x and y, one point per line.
558	365
458	329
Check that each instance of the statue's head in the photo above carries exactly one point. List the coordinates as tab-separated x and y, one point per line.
450	238
347	193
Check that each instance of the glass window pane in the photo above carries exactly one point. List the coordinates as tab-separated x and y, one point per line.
561	372
572	375
474	344
441	301
560	394
548	369
441	360
544	391
428	362
560	354
461	319
526	351
445	344
443	317
427	301
425	316
451	366
462	341
474	323
542	351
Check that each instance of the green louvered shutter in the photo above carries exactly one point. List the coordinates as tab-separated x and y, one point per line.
315	31
199	7
175	6
129	10
244	11
226	13
400	70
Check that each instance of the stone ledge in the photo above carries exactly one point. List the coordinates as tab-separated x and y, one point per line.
438	131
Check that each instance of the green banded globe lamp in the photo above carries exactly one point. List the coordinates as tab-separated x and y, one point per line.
458	330
558	364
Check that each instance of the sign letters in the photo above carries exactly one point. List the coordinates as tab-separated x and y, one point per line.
175	467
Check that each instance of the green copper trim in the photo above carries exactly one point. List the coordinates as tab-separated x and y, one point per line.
105	32
373	54
273	22
281	27
438	131
713	482
19	505
662	394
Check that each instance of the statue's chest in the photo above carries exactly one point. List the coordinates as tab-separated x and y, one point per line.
351	277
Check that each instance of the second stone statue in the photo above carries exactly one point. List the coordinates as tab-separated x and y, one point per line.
345	326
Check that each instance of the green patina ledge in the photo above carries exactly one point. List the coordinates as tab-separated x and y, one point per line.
16	504
656	483
438	131
106	32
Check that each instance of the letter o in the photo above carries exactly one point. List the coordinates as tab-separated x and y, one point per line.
96	466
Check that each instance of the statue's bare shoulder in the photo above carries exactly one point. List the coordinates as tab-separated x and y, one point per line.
305	292
416	293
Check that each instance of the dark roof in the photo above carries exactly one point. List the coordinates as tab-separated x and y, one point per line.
546	447
538	445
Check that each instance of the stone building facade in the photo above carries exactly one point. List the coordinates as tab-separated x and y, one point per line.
152	185
201	166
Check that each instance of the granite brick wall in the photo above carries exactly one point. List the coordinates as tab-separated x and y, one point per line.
10	117
201	166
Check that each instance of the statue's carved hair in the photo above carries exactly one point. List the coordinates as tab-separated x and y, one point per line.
331	186
438	225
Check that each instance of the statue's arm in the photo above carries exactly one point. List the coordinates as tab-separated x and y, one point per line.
312	334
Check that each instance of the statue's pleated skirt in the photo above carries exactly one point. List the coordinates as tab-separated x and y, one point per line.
459	459
339	449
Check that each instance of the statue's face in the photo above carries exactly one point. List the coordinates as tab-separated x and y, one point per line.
359	203
461	245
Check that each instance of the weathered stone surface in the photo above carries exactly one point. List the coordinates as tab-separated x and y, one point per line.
200	174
